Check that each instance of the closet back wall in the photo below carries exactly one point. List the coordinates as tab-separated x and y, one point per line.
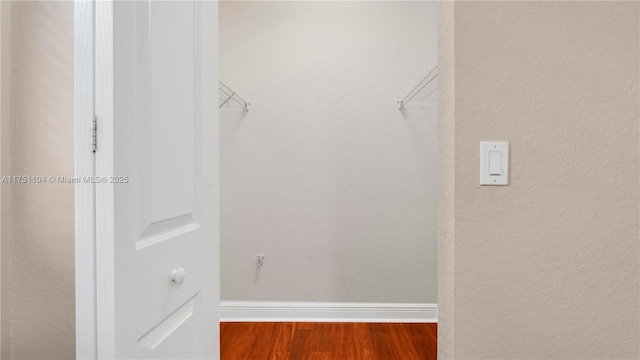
324	176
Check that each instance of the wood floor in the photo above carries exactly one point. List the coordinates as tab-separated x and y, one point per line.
328	341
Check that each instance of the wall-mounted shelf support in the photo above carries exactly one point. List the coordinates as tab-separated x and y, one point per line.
422	88
225	94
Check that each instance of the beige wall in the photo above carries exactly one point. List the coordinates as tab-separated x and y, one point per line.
5	27
547	267
37	219
446	180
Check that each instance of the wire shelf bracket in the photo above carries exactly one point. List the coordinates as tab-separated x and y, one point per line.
420	88
225	94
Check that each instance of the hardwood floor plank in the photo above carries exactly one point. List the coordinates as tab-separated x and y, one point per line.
236	339
264	343
402	341
328	341
381	340
424	339
304	344
283	341
361	345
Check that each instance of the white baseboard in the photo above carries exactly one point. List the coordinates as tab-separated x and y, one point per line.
276	311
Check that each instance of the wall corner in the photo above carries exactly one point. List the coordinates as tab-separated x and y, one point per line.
446	180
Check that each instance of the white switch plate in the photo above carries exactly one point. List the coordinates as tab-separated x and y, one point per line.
487	149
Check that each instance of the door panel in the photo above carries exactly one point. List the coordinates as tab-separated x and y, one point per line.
167	338
165	140
167	102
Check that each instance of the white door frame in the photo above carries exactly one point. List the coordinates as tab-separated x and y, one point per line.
85	235
93	28
93	41
103	164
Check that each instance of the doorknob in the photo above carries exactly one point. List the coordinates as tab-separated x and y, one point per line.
178	275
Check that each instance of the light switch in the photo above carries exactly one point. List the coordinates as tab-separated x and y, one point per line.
494	163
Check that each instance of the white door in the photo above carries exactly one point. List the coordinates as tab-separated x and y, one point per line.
157	210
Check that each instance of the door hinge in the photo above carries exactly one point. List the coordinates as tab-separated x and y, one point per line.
94	137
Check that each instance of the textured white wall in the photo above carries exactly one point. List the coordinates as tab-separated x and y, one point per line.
37	220
324	175
547	267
